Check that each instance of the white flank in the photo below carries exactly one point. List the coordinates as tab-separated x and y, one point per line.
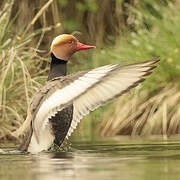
44	142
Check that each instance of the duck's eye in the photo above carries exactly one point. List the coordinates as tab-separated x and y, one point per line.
70	41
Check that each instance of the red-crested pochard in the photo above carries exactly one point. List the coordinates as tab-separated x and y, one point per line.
65	99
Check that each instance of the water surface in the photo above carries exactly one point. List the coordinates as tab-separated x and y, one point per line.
117	158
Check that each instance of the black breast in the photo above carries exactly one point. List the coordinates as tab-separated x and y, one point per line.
62	120
61	123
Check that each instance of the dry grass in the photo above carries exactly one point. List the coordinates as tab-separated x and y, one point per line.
22	70
21	73
138	113
16	86
155	110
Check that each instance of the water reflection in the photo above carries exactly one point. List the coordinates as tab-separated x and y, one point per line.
94	160
53	166
80	165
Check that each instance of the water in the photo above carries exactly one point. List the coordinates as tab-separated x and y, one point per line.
118	158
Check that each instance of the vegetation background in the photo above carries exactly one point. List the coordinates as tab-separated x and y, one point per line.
122	30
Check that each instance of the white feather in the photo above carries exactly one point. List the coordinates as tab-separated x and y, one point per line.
44	141
86	93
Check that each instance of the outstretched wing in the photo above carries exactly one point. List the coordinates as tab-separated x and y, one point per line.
88	90
114	84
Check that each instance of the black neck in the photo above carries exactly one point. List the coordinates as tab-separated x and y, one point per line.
57	67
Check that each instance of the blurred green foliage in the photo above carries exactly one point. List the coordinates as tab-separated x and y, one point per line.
157	34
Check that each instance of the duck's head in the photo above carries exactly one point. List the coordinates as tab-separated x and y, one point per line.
65	45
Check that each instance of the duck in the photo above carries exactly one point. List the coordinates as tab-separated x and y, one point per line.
57	108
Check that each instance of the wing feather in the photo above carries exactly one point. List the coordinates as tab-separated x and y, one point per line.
115	84
64	91
87	91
